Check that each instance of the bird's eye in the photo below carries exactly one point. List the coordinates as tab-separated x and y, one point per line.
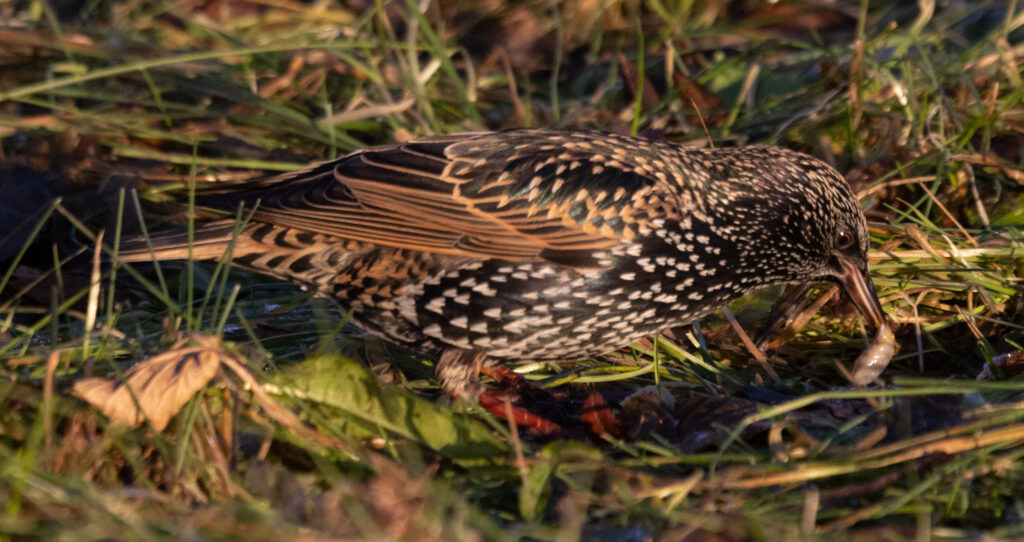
844	240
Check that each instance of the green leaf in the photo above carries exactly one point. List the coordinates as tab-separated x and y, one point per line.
533	497
536	489
368	408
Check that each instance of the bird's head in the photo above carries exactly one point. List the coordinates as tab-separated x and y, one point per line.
798	220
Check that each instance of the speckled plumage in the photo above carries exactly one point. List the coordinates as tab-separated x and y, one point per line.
529	245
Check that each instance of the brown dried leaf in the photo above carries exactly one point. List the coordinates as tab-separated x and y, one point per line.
155	389
703	107
630	74
785	19
705	421
648	410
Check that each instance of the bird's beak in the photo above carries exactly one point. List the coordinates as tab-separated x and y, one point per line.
861	290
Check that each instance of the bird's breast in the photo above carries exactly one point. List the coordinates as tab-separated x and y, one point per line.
542	310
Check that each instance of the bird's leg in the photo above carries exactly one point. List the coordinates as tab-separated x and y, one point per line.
514	382
457	369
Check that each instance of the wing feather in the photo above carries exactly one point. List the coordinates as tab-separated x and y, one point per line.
516	195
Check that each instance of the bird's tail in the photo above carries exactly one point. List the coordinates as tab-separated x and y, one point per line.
310	258
209	242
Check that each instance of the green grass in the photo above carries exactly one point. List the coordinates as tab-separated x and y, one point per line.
310	430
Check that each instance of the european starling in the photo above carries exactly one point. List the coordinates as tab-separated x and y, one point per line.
538	245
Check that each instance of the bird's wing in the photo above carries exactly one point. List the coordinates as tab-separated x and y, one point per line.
516	195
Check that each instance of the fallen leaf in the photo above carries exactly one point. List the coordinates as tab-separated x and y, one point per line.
155	389
630	74
646	411
702	107
705	421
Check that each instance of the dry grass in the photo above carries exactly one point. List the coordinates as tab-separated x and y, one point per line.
115	109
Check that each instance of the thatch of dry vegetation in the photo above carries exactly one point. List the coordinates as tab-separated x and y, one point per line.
193	400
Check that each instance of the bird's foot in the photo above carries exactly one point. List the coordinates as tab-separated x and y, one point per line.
500	405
